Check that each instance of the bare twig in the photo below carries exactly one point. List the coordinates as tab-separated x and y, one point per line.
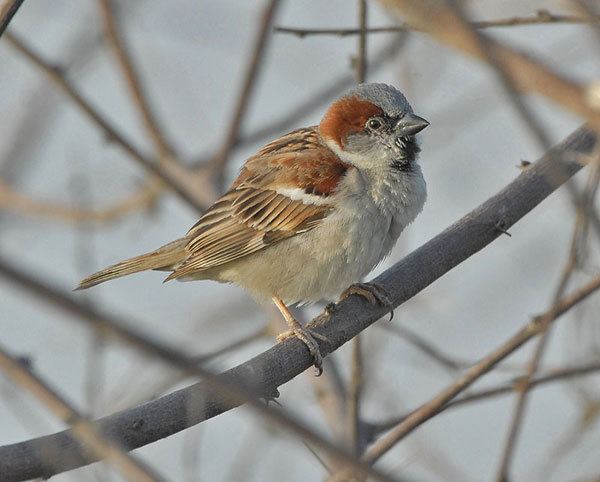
361	57
314	101
330	392
426	347
503	389
18	203
355	387
234	345
219	162
117	42
450	363
169	174
264	373
81	427
542	17
8	9
526	74
435	405
534	363
325	94
355	391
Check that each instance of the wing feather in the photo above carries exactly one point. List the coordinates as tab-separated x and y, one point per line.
253	214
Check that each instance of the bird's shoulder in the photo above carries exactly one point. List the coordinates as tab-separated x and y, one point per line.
297	160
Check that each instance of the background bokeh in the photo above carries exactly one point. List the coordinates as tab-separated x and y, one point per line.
192	56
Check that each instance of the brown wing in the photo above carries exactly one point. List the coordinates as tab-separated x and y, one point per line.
253	215
298	159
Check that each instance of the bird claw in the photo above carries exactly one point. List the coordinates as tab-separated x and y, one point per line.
272	398
307	337
373	293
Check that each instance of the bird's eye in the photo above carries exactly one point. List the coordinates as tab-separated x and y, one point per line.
374	124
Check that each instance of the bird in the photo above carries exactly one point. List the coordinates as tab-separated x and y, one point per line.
310	214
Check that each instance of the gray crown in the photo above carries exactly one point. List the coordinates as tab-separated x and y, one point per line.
390	99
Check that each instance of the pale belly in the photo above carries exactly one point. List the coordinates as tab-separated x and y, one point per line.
315	265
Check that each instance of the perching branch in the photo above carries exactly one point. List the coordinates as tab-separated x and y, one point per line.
172	413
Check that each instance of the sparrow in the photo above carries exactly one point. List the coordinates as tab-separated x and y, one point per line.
310	214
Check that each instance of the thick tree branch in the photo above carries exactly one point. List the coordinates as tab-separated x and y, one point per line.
172	413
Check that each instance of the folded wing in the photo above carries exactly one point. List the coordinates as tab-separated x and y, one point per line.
259	210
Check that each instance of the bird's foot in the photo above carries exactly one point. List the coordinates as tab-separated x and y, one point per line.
272	398
308	338
373	293
324	316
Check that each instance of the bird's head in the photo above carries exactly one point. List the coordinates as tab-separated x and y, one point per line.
371	125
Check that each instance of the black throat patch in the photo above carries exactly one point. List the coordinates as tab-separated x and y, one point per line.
410	149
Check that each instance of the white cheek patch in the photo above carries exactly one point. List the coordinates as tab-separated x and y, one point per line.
334	146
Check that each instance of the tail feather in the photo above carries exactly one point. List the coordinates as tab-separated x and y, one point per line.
164	258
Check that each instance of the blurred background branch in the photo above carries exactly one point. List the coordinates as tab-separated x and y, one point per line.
541	17
8	9
83	429
185	114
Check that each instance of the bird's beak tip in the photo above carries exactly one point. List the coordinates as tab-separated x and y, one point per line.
411	124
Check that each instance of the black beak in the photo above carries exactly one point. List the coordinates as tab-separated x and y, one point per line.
410	124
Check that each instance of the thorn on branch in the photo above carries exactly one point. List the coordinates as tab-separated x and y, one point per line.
272	398
501	227
26	361
524	165
537	324
58	69
108	138
137	424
